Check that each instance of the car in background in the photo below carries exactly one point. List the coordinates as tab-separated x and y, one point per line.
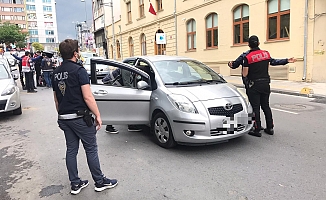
12	61
101	70
181	99
9	92
88	54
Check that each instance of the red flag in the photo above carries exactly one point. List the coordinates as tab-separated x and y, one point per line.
151	9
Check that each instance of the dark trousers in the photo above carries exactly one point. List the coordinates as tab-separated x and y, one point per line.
38	74
47	77
76	130
259	97
29	79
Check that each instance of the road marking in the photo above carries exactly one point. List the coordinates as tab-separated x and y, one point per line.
285	111
296	96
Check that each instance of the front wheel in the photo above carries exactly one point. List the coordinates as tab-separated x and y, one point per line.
162	130
18	111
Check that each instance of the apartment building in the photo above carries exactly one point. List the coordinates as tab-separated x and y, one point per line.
217	31
13	11
42	23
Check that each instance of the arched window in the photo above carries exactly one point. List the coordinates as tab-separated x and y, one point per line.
212	31
241	24
160	49
131	47
143	44
112	51
278	19
118	49
191	34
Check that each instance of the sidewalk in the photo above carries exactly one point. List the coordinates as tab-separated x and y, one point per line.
287	87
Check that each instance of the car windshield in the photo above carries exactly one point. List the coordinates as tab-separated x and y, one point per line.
3	72
183	72
88	55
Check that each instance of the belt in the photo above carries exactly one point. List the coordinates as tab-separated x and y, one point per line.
69	116
261	79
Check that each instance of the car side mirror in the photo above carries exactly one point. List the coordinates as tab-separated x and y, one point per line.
15	76
142	85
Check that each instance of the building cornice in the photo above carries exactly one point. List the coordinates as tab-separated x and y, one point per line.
196	7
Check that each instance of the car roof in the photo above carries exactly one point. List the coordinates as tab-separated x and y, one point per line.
161	57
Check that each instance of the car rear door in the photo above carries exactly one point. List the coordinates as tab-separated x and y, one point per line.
120	104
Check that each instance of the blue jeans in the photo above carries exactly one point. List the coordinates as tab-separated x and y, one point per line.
76	130
47	78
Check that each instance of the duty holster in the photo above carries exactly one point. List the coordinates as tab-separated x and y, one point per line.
87	117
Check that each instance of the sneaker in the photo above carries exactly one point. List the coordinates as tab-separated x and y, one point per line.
255	133
269	131
111	129
106	184
134	128
75	189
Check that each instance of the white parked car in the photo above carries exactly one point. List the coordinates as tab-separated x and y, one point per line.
9	92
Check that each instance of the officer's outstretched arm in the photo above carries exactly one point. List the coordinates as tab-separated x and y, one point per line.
239	61
275	62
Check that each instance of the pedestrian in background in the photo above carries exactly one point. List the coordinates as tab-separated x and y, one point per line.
47	69
256	70
74	102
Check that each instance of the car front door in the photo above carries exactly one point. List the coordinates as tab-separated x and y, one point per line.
119	103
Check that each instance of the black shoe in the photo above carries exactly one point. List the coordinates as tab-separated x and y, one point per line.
255	133
111	129
24	88
75	189
134	128
31	91
106	184
269	131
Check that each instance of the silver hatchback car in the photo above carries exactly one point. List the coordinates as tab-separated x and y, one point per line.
181	99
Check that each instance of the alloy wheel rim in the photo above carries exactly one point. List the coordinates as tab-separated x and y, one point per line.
162	130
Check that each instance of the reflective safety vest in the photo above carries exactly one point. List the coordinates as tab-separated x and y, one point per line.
25	62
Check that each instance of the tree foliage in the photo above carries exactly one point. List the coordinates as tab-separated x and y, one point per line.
11	33
21	44
37	46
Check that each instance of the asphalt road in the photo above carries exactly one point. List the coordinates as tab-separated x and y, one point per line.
289	165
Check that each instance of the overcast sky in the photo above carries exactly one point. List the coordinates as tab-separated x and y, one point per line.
69	11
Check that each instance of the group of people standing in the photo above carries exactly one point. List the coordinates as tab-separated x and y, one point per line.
40	64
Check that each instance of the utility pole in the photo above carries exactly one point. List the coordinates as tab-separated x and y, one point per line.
113	36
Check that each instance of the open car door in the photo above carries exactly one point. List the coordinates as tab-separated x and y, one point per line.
120	102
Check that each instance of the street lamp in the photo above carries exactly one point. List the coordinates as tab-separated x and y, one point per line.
113	37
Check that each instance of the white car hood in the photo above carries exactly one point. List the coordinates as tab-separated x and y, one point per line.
4	84
206	91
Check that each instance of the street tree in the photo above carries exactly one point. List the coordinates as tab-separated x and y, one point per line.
21	44
11	33
37	46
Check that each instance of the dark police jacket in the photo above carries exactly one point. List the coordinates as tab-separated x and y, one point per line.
67	80
258	62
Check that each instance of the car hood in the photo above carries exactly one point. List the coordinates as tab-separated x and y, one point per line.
4	84
206	91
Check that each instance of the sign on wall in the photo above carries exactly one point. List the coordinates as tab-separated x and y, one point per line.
160	38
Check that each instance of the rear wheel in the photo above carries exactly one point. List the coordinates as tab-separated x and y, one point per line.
162	130
18	111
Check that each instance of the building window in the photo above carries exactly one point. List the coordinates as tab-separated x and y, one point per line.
118	49
131	47
49	32
191	34
212	31
31	40
129	11
241	24
159	5
160	49
18	9
50	40
46	1
141	8
33	32
48	24
30	7
278	19
30	1
143	44
47	8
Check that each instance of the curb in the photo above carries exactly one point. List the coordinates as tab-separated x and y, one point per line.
318	96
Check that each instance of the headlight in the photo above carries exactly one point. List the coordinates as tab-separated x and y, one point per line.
243	94
9	90
182	103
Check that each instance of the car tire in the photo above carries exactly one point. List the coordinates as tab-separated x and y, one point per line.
162	131
18	111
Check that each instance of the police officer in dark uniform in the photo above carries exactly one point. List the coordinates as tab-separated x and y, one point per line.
74	103
255	68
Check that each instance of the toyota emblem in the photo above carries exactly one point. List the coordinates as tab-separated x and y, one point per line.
228	106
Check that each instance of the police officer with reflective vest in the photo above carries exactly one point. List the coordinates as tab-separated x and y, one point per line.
76	106
255	69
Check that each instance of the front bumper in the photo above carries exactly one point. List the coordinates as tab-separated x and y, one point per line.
10	102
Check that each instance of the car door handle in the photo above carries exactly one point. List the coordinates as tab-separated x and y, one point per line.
101	92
